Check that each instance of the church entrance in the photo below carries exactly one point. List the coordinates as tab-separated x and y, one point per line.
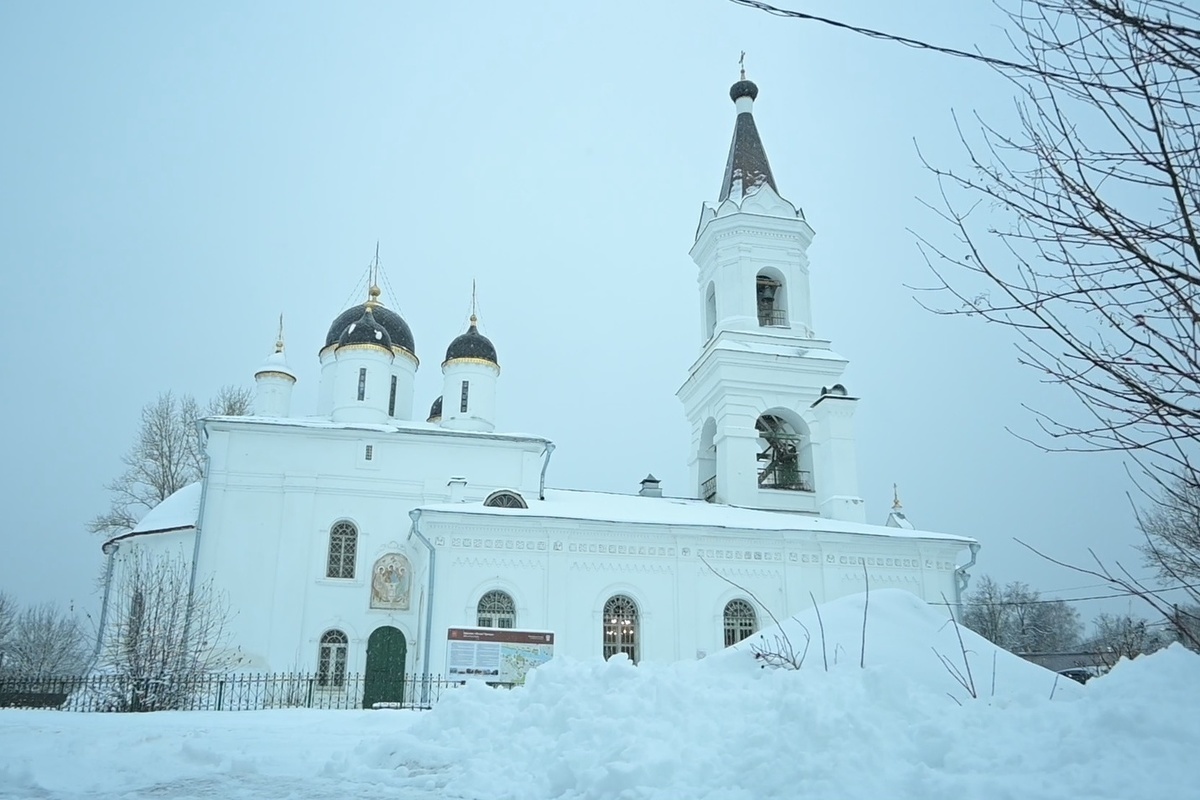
384	679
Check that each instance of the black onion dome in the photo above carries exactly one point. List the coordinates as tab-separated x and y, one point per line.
472	344
435	410
743	88
365	330
392	322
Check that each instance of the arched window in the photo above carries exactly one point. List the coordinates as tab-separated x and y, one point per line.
772	300
505	499
708	461
496	610
784	457
740	621
621	627
331	659
343	548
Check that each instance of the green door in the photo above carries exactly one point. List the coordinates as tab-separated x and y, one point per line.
384	681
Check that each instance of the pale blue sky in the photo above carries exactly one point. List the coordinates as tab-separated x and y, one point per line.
174	176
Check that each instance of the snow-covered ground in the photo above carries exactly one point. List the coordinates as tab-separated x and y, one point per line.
717	728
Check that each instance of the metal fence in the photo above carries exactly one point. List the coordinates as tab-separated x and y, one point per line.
233	692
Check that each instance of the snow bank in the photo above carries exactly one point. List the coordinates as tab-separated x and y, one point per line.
717	728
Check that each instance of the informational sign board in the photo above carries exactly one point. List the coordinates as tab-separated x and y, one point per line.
496	655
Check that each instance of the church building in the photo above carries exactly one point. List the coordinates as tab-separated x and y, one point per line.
367	529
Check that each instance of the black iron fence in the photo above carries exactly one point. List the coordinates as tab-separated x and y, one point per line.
234	692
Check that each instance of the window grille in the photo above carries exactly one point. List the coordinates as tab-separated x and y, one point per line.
496	610
362	383
621	627
392	399
740	621
369	453
462	406
331	659
343	547
505	499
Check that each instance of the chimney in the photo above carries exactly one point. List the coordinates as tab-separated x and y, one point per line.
651	487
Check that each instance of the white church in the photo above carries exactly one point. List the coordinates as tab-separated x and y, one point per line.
388	541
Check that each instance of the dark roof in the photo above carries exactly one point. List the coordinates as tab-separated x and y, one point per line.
472	344
743	88
747	158
435	410
392	322
365	330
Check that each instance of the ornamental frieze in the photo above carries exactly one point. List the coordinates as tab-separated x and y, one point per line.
620	566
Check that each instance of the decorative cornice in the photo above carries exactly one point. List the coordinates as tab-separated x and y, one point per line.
471	360
498	543
404	351
466	561
620	566
364	346
274	373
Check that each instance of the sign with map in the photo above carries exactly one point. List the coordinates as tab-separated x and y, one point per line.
496	655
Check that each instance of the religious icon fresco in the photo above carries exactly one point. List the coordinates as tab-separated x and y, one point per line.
391	582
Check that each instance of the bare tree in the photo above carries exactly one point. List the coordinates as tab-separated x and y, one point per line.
166	456
45	641
8	621
1124	636
163	636
1078	230
1172	531
1016	618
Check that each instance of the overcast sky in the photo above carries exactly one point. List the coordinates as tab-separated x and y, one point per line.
173	176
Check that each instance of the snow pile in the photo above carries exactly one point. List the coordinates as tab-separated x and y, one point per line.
722	727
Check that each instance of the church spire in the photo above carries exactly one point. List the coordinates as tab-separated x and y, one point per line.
747	168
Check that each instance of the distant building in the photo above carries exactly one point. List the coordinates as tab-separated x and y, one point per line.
355	537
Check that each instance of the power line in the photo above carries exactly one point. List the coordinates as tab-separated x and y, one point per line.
1040	601
917	44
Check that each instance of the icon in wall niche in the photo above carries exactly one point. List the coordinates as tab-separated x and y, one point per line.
391	581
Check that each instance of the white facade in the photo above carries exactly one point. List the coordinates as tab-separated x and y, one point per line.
360	519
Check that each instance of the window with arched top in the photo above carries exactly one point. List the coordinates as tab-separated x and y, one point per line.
784	456
331	659
496	609
740	621
772	300
343	550
621	627
505	499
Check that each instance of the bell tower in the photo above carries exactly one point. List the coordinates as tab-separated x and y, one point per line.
772	424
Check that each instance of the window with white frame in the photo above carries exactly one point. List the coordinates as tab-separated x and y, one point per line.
740	621
621	627
331	659
343	550
496	609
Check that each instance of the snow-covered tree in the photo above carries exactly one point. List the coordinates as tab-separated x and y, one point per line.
45	641
166	456
1125	636
1016	618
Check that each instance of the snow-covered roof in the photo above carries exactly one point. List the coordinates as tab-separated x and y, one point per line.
394	426
781	349
180	510
572	504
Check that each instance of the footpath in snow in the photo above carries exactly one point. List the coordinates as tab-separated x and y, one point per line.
723	727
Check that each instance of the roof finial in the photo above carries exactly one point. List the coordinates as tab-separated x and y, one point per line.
896	498
279	338
474	319
742	64
373	290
